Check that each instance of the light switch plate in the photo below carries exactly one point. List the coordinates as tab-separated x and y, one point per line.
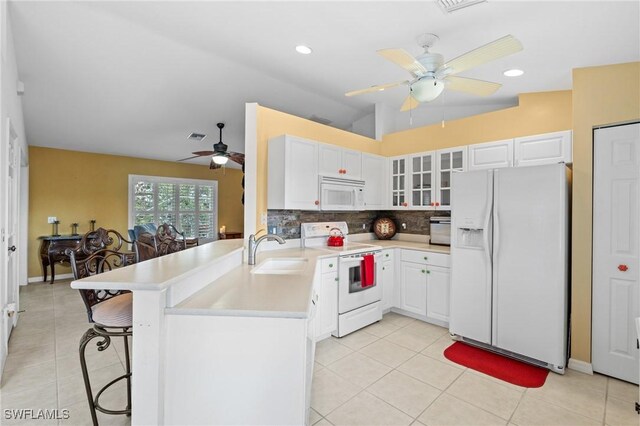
51	219
263	218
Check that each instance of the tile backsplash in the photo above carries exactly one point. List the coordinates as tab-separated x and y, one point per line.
287	222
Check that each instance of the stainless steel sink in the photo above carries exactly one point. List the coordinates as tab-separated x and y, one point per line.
281	266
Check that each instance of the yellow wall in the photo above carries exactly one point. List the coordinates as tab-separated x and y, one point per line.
272	123
536	113
601	95
79	186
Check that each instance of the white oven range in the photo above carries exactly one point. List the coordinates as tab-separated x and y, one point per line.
358	305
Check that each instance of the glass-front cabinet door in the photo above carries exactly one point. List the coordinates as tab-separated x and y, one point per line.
398	182
449	161
421	179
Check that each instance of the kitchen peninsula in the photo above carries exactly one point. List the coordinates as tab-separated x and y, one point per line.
214	336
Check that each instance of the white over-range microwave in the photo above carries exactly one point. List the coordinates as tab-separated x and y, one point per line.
341	194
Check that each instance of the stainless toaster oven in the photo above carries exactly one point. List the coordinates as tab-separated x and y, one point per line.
440	231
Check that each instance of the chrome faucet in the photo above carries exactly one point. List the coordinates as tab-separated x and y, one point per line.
253	244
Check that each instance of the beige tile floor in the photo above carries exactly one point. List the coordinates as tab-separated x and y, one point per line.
390	373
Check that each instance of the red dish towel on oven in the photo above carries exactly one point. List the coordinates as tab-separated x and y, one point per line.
367	270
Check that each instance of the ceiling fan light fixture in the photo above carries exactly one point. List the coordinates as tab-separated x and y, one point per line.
514	72
304	50
220	159
427	89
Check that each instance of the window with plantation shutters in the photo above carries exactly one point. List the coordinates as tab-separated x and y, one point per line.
188	204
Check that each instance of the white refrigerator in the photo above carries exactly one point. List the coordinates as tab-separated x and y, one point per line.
509	261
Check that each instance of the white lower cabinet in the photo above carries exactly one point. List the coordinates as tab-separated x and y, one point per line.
438	283
388	279
413	288
423	285
327	315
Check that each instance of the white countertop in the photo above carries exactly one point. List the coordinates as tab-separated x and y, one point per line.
239	292
242	293
160	273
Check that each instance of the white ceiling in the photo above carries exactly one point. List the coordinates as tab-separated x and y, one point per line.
135	78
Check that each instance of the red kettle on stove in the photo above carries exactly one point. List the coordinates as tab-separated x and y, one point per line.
336	238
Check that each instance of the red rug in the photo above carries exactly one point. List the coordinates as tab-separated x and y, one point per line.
498	366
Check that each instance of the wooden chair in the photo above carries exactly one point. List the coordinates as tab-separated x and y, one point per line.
145	247
169	240
110	311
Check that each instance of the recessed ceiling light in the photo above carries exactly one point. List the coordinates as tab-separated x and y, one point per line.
513	72
305	50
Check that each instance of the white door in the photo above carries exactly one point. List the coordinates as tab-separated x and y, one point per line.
438	279
413	288
352	164
491	155
301	183
616	236
530	262
374	174
471	255
9	234
330	160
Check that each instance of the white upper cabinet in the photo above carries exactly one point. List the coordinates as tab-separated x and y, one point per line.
398	185
374	175
352	164
448	161
491	155
336	161
422	179
293	174
549	148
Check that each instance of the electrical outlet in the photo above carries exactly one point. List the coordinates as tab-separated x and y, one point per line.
404	226
364	226
263	218
51	219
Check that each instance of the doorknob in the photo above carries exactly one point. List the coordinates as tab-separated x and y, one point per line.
12	248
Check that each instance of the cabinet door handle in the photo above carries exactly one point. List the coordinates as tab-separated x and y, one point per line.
428	271
317	202
387	254
623	268
336	279
423	271
383	268
425	258
331	265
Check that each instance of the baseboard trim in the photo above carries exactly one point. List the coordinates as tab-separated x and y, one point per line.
58	277
581	366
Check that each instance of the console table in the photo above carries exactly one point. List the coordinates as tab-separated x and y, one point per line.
52	251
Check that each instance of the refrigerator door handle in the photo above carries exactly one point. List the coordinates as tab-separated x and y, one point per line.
496	249
487	220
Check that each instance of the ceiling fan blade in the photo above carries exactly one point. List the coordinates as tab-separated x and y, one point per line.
409	103
236	157
376	88
499	48
471	85
189	158
402	58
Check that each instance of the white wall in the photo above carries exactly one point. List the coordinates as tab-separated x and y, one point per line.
365	126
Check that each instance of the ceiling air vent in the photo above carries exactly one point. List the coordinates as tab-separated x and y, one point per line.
320	120
196	137
449	6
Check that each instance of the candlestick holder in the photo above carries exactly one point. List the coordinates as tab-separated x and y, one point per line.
74	229
92	225
54	228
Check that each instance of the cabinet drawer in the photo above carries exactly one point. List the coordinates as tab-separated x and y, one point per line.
329	265
424	257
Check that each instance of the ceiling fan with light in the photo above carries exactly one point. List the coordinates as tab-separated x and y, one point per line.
219	155
431	74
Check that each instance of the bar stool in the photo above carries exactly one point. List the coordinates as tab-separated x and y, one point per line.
110	311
